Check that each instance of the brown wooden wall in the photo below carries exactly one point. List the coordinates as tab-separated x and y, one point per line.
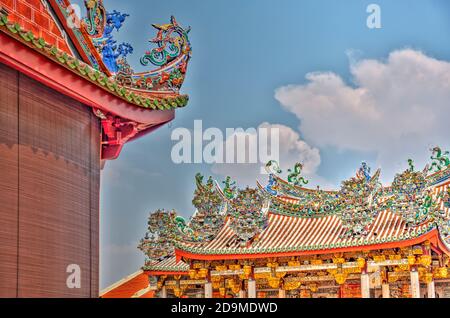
49	190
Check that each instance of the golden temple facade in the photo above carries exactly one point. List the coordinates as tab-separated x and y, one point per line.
283	240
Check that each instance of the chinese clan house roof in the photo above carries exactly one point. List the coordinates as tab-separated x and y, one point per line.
284	218
80	57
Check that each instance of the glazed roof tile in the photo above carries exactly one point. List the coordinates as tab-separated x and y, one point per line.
286	234
87	72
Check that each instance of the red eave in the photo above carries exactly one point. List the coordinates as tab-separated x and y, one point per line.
161	273
135	121
432	236
37	66
440	246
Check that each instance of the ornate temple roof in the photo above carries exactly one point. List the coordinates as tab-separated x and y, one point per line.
81	59
167	264
284	218
296	235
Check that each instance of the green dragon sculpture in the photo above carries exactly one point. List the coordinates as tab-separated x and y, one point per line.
182	226
411	165
199	180
230	188
295	177
440	159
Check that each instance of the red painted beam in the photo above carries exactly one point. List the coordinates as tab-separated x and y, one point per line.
432	236
161	273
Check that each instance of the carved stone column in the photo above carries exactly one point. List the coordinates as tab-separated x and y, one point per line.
431	290
415	285
281	293
365	286
164	292
208	290
251	288
385	290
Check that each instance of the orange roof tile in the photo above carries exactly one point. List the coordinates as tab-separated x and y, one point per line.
33	15
302	235
128	287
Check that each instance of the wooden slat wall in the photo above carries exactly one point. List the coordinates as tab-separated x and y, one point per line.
95	149
58	188
8	181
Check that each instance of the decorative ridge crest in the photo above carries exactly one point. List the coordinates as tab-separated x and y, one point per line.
293	186
247	218
440	159
171	40
96	18
89	73
99	25
209	203
414	200
171	54
359	201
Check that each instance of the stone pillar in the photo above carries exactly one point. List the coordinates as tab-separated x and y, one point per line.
242	293
365	286
208	290
164	292
415	285
251	288
385	290
431	290
281	293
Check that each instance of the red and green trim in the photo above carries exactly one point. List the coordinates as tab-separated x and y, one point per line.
86	72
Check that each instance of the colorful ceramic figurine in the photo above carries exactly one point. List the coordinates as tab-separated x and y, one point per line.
440	159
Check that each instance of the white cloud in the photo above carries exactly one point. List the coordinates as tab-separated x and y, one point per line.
397	108
292	149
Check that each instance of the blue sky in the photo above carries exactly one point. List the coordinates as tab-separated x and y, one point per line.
243	51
